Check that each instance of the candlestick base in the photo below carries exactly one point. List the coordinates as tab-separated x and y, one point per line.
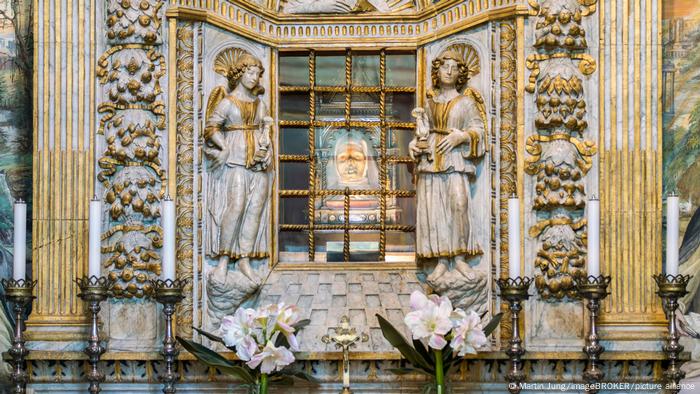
670	289
515	291
593	289
169	293
20	293
93	291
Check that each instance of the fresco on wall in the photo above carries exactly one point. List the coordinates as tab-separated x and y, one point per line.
681	113
681	103
681	146
15	119
16	44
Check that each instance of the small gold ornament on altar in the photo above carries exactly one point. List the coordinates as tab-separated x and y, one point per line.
345	336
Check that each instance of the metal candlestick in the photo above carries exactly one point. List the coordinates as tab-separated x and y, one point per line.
515	292
93	291
671	288
345	337
20	293
594	289
169	293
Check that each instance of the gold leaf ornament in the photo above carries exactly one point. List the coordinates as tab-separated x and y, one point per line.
468	55
227	59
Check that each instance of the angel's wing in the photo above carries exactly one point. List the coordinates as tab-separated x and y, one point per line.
479	100
215	98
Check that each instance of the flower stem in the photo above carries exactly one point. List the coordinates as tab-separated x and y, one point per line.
439	373
263	383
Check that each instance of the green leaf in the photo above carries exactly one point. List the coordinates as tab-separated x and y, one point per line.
281	380
239	372
298	374
214	359
301	324
210	336
450	361
423	351
399	342
282	340
493	324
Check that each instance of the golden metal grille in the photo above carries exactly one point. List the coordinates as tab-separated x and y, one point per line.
383	159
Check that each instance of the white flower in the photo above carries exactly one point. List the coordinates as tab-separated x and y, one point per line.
237	327
468	333
287	317
246	348
271	358
266	318
430	319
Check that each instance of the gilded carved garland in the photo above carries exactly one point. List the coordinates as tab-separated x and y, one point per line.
185	172
132	121
559	155
508	144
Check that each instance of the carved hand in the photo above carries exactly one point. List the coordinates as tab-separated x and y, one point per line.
452	140
217	156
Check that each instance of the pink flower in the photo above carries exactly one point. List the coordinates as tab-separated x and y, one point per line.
271	358
468	333
430	319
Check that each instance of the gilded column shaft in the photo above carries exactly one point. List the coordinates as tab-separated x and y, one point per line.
630	159
62	169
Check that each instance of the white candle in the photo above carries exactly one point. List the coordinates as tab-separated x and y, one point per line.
19	268
672	232
513	237
168	255
593	208
95	241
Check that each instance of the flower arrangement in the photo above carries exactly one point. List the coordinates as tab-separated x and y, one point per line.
433	321
263	339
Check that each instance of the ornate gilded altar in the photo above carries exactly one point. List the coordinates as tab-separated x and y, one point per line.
549	85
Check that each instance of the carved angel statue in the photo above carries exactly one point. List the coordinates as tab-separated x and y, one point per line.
455	141
237	146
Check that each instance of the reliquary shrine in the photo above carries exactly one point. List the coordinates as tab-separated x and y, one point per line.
338	155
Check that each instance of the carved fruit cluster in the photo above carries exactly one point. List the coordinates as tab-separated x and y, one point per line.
133	257
561	259
559	155
132	121
560	28
134	21
560	104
